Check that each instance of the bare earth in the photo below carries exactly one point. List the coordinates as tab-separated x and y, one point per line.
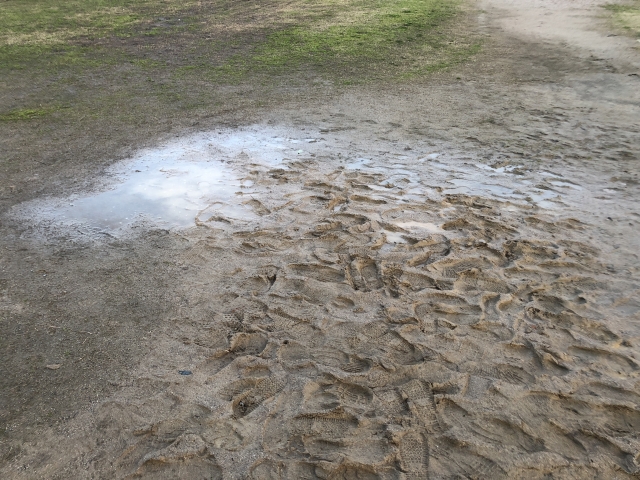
439	280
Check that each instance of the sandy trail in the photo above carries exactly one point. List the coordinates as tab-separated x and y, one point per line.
394	305
579	24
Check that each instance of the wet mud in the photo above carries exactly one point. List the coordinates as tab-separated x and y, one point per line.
408	314
349	290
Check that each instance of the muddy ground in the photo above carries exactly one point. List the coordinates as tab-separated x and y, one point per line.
438	280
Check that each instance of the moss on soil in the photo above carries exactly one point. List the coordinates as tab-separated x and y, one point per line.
626	17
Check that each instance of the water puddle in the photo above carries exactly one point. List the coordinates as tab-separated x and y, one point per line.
167	189
456	178
558	183
546	173
472	187
393	239
420	226
542	198
174	184
204	178
504	169
358	164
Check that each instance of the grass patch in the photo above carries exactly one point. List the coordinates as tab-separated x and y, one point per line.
27	113
626	17
121	65
356	41
374	32
28	22
230	41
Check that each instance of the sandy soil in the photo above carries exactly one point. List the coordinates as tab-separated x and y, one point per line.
440	280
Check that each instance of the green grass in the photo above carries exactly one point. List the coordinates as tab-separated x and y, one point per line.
626	17
64	33
92	54
375	32
27	113
29	22
306	32
357	41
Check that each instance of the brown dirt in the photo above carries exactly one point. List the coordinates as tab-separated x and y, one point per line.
501	344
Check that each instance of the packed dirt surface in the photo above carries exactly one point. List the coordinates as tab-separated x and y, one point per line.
434	279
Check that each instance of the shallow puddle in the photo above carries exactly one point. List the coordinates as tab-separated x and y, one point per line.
474	188
170	185
163	189
358	164
205	178
565	184
420	226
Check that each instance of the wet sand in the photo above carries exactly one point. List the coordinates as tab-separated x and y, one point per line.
353	299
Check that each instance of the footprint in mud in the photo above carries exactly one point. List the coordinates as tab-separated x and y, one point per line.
268	469
584	429
226	434
200	254
313	202
454	459
389	344
504	432
615	364
367	199
419	396
612	417
258	207
501	432
459	224
238	387
258	249
356	364
450	307
321	273
332	425
609	392
263	390
187	457
571	321
319	398
476	280
416	280
363	275
421	259
257	284
326	256
327	226
528	251
248	343
453	267
566	266
507	373
393	403
489	305
414	456
293	327
308	289
294	353
348	393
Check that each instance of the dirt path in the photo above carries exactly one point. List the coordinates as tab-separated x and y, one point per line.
432	280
